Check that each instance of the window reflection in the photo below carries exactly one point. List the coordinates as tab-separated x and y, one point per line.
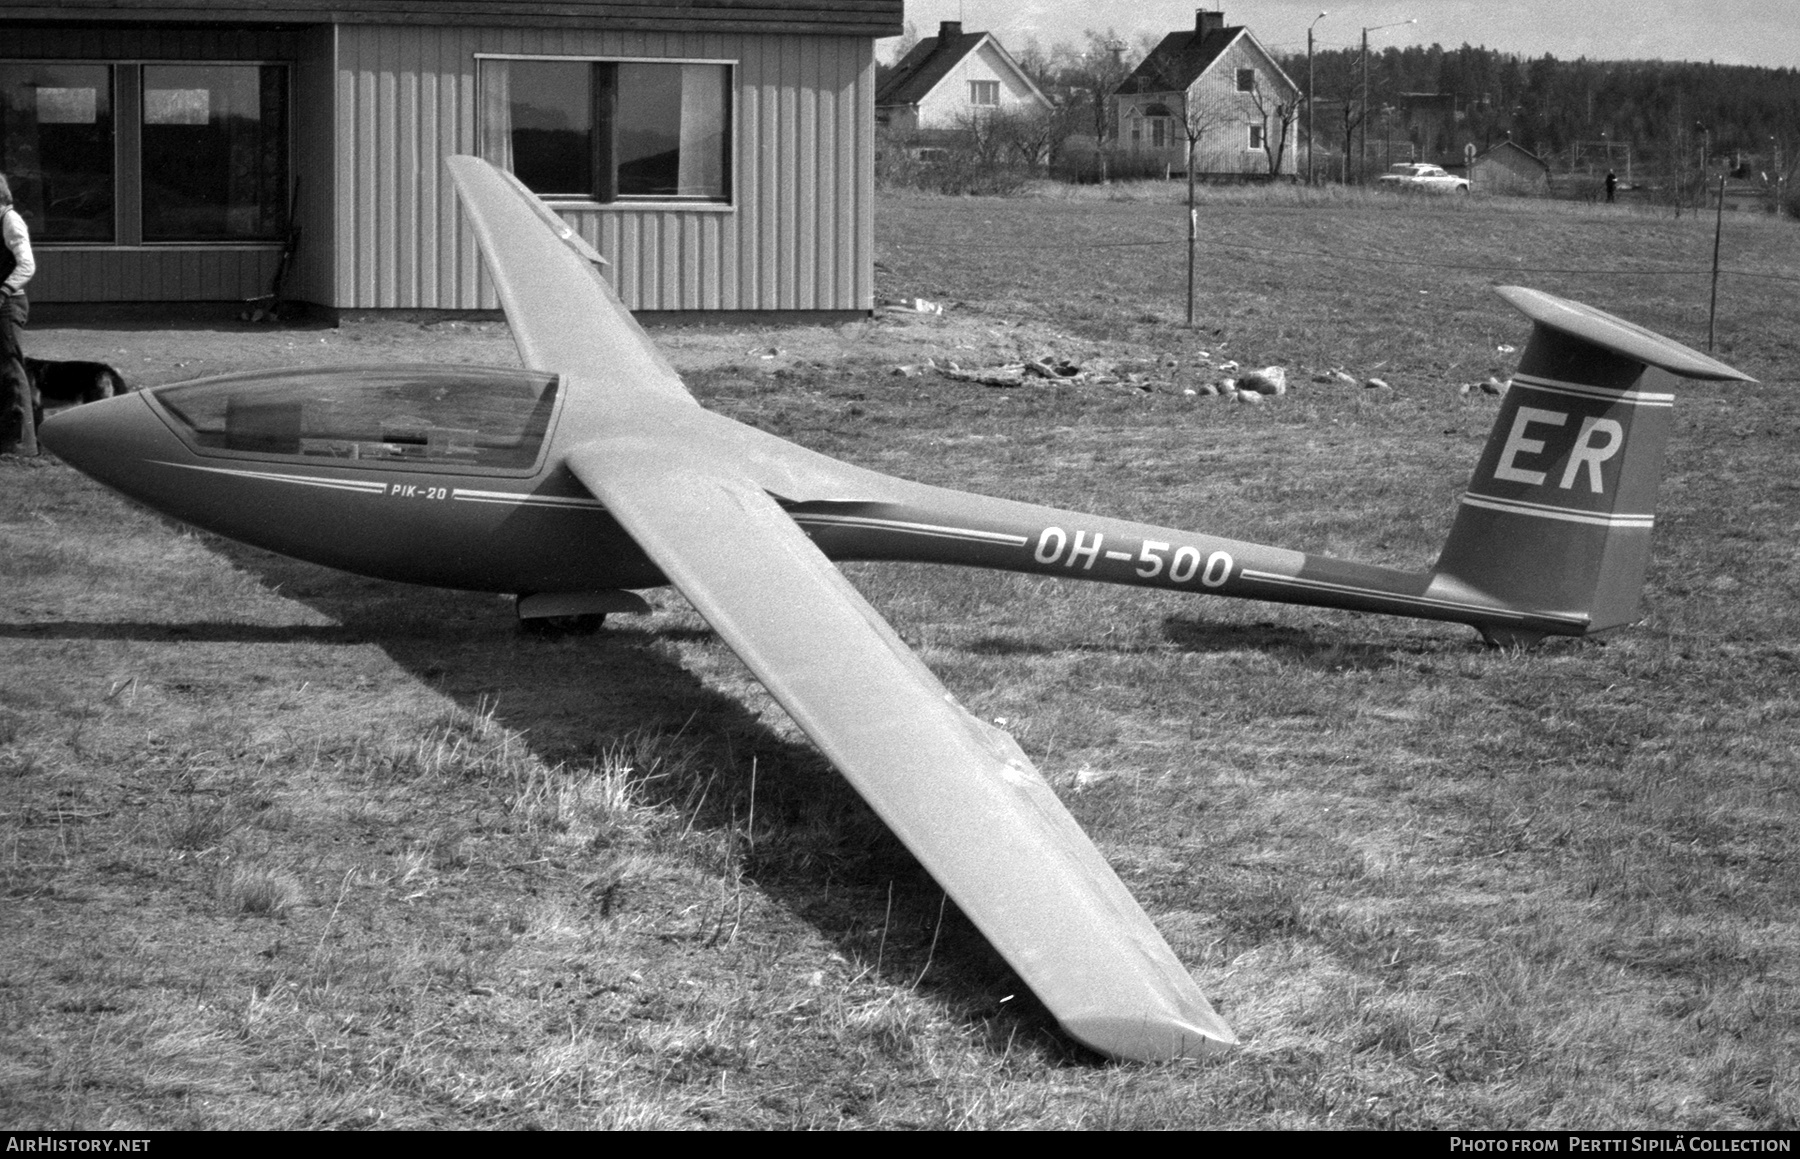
56	148
481	417
609	131
215	152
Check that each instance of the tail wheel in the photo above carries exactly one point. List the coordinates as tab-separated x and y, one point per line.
557	627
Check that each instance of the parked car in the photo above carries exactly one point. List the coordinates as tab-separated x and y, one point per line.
1417	175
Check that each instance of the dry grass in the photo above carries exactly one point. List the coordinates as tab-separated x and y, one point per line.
286	848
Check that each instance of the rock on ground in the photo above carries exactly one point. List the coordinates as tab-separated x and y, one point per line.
1268	380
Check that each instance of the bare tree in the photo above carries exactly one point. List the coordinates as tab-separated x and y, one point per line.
1035	136
1282	113
1202	109
1104	66
987	134
1036	62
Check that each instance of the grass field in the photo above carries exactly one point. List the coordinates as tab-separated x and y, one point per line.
282	847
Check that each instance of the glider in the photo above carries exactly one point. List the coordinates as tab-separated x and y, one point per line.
594	472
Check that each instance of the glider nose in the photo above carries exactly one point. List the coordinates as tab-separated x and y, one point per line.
104	439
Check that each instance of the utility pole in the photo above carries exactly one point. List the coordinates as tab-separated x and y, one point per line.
1778	175
1362	147
1712	310
1705	150
1310	137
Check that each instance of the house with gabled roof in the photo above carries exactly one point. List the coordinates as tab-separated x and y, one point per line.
1219	82
1511	168
950	78
718	154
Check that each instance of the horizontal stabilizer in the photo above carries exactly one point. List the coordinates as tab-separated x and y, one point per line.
1618	336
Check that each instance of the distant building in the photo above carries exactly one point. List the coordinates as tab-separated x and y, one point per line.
1223	82
1431	124
948	78
1509	168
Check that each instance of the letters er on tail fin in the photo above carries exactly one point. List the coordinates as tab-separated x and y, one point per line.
1558	514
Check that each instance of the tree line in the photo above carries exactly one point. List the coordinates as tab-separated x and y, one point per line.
1565	111
1565	108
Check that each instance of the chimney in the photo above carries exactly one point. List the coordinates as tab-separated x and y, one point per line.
1205	22
949	30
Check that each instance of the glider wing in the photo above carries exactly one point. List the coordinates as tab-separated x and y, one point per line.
959	793
564	315
696	492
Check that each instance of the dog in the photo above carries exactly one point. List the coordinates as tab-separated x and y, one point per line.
61	384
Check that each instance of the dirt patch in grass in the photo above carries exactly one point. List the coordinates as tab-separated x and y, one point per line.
282	847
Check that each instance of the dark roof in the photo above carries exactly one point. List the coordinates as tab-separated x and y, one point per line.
920	70
1179	60
874	18
1509	145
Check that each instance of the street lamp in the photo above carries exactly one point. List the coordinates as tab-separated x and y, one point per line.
1362	146
1310	136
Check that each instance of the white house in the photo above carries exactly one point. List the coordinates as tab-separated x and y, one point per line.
950	78
1223	85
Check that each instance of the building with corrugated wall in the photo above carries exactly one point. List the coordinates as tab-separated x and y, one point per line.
720	155
1510	168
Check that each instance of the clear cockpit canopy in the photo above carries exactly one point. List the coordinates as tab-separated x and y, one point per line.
481	417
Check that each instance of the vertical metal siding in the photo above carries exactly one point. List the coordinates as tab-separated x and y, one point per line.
159	275
797	237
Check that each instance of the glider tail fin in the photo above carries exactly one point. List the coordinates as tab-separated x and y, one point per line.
1558	515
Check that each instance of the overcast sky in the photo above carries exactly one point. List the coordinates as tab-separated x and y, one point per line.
1761	32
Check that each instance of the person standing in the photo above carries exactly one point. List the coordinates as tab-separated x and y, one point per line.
17	431
1612	185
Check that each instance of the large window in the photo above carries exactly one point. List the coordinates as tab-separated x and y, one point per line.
127	153
985	93
610	130
215	152
56	148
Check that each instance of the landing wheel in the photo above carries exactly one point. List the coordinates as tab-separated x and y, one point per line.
557	627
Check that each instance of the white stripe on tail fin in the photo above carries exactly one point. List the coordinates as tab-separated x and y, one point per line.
1558	514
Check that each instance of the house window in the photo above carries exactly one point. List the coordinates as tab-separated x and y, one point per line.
1256	136
1246	80
206	161
56	148
985	93
1159	132
214	152
610	130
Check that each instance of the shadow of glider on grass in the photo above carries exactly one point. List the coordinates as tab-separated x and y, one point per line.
596	472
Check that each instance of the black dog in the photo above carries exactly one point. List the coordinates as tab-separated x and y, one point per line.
59	384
